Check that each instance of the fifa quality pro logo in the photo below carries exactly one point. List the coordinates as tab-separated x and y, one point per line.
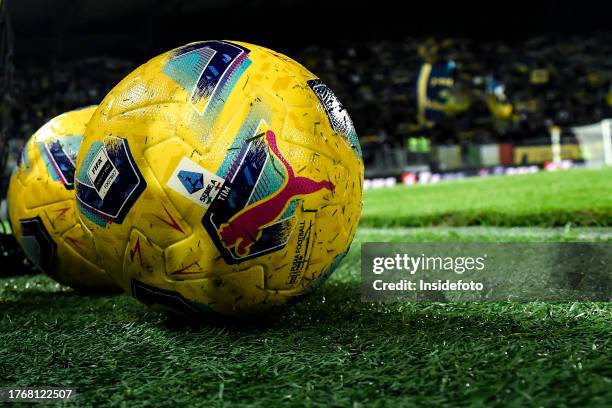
102	172
243	229
108	182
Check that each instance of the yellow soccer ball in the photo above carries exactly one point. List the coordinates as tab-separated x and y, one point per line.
220	176
42	206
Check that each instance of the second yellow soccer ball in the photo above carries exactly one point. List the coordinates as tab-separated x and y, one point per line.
42	207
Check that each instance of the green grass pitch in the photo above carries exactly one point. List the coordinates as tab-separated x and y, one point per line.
547	199
332	349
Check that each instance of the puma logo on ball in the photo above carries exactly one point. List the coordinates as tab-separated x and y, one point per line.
245	228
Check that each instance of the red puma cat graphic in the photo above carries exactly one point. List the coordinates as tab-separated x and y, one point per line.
245	228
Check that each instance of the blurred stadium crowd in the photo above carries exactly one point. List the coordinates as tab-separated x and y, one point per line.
443	90
498	91
40	93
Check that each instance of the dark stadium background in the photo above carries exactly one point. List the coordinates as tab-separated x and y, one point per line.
69	54
72	27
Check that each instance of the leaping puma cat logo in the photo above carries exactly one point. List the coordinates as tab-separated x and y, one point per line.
245	228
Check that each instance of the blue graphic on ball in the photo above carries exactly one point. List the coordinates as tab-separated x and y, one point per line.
192	181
